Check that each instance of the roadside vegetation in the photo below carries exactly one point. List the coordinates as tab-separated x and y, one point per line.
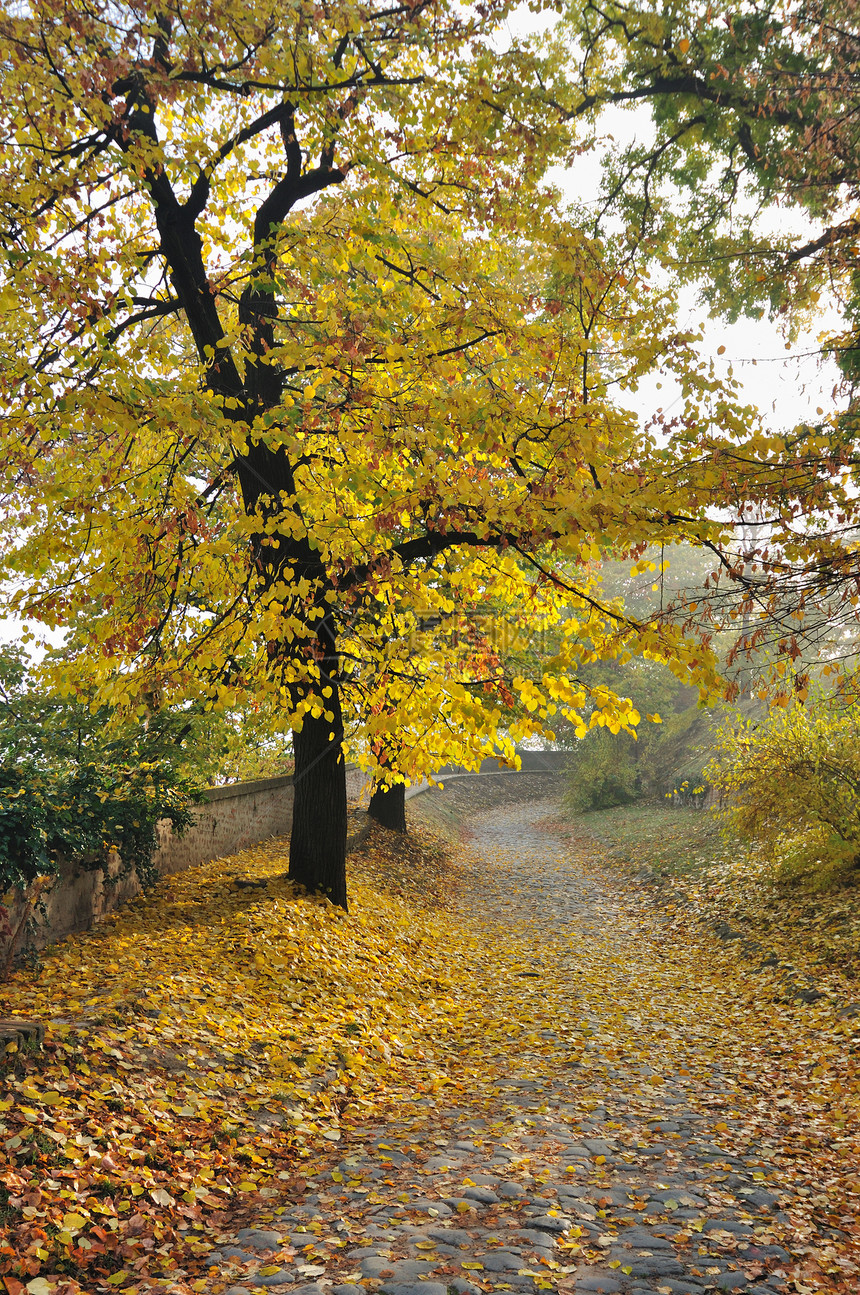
736	889
773	765
744	814
660	841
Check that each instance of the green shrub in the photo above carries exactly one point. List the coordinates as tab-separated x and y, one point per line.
616	769
603	772
76	784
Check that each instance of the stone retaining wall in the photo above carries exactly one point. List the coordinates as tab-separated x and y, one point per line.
237	816
230	819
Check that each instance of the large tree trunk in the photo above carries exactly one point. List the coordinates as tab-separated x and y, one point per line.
318	839
388	806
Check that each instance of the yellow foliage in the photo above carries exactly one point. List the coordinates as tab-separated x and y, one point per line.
791	784
418	413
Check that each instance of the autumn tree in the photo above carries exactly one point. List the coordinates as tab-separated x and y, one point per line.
297	352
751	112
747	178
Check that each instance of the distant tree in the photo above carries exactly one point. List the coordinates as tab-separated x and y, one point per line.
748	182
753	111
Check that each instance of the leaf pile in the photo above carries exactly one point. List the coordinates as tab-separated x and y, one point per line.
726	882
198	1045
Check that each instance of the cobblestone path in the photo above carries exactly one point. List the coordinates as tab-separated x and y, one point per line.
604	1148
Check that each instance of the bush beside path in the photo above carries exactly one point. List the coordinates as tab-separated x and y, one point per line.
503	1070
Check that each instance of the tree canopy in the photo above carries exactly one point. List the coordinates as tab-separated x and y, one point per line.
753	113
302	355
745	177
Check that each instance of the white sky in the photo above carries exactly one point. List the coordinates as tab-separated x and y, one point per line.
787	385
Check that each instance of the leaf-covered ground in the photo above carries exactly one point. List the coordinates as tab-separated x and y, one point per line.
199	1045
222	1054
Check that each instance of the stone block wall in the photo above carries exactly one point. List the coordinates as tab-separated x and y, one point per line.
230	819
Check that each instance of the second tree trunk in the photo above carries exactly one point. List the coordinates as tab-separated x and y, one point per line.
388	806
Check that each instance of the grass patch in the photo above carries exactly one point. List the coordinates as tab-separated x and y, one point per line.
660	841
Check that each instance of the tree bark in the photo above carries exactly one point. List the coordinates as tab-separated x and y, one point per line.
388	806
318	839
266	475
